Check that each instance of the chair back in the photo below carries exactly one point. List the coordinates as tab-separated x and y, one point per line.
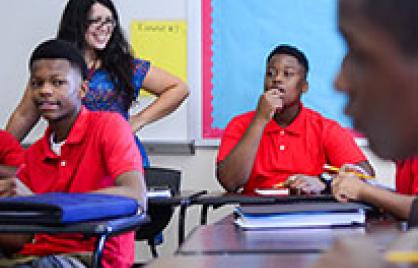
160	215
163	177
413	215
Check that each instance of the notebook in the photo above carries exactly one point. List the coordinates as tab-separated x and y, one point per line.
61	208
301	215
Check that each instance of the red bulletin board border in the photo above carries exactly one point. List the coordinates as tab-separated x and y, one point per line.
208	132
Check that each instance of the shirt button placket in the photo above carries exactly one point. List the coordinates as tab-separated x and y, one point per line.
61	180
282	147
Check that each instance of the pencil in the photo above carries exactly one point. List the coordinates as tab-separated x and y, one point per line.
402	256
284	183
279	185
358	174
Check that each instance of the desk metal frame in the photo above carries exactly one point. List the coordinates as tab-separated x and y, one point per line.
184	199
102	229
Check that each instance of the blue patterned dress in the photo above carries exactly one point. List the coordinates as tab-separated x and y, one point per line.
101	95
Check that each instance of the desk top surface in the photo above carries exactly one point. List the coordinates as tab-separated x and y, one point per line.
221	198
242	261
182	198
225	237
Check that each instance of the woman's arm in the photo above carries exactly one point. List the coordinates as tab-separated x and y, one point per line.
171	92
24	117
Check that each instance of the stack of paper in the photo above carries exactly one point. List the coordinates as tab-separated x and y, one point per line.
159	192
300	215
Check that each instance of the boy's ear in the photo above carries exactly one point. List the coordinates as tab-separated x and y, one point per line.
305	86
83	88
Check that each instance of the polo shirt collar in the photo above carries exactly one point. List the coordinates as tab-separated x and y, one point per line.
297	127
76	135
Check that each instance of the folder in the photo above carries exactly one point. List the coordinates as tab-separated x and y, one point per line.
62	208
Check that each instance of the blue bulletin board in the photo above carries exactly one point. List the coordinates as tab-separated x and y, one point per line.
237	36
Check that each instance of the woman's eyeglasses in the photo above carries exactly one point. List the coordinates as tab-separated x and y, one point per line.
99	22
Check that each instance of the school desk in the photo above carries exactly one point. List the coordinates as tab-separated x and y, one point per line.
225	238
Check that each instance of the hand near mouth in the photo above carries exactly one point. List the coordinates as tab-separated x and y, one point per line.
270	102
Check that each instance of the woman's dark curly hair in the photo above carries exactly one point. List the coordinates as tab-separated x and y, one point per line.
116	58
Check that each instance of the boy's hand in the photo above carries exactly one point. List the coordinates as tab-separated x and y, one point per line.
7	187
13	187
303	184
347	186
270	103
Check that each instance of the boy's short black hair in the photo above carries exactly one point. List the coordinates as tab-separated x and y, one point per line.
59	49
292	51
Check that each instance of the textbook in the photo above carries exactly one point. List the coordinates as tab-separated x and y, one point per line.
300	215
61	208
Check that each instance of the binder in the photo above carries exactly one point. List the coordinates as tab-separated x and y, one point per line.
301	215
63	208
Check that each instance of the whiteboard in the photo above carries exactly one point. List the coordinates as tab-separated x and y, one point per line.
27	23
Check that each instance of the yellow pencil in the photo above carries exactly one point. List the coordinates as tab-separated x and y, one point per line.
284	183
402	256
279	185
358	174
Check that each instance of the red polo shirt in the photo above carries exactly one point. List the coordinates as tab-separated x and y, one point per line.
407	176
99	147
303	147
11	152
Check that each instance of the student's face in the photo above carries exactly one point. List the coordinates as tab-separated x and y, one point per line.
381	83
99	27
56	89
285	73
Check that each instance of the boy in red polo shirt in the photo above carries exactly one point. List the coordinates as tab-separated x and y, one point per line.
407	176
11	154
81	151
283	140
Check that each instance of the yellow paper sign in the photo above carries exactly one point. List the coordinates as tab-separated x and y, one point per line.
163	43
